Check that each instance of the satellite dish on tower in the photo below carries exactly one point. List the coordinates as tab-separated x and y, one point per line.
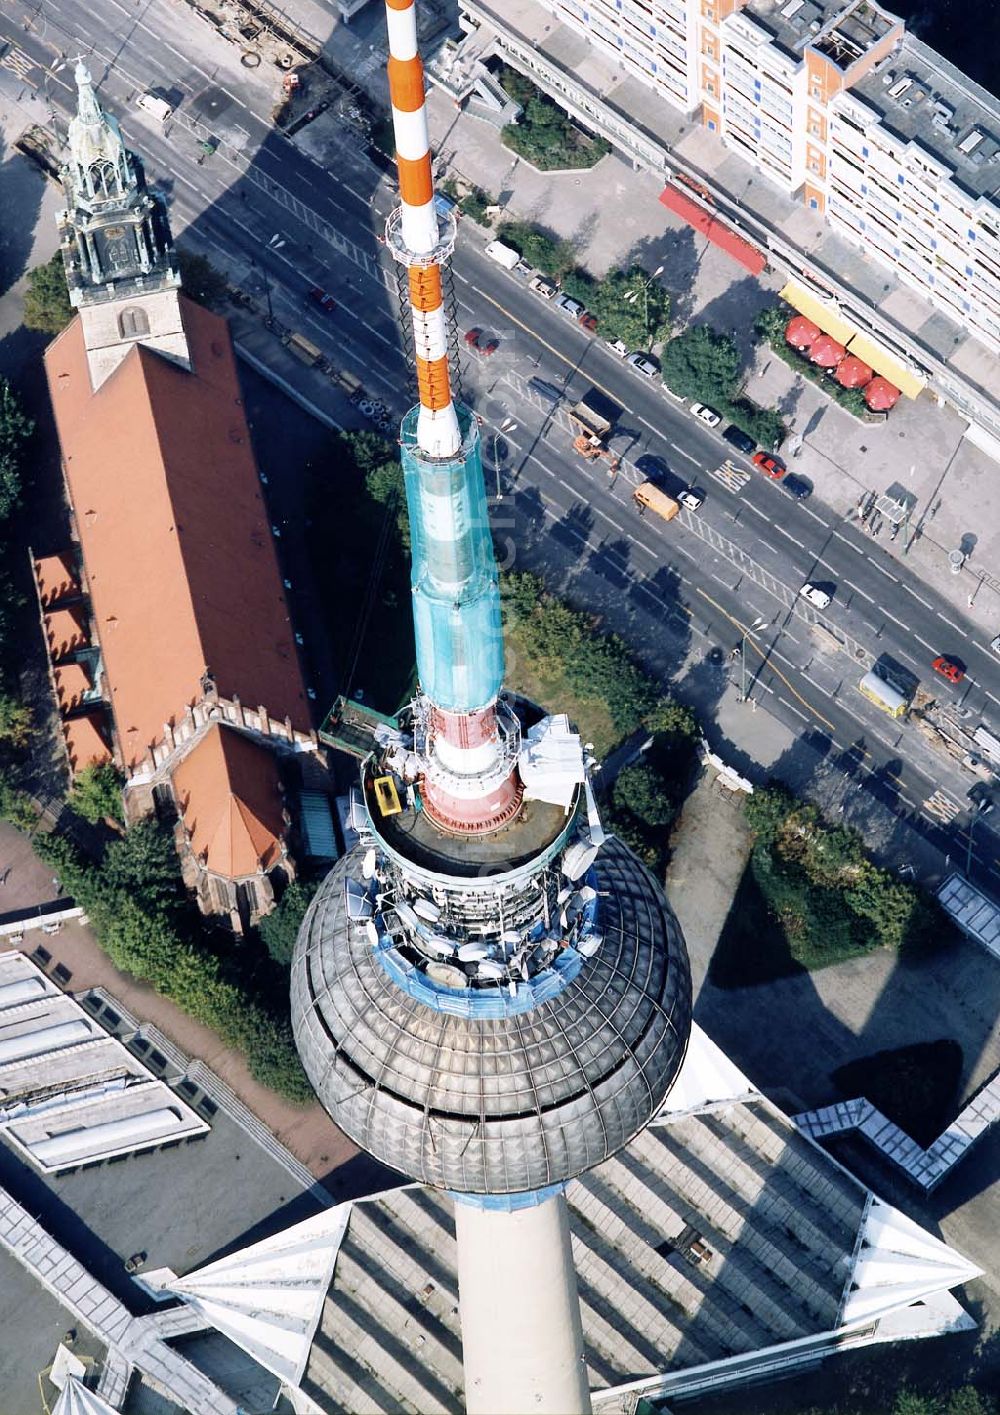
368	864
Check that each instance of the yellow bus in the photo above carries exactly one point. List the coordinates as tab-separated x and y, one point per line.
884	695
646	495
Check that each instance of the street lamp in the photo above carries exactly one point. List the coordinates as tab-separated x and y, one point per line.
633	295
757	624
968	853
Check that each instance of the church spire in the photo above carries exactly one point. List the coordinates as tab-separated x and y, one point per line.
99	163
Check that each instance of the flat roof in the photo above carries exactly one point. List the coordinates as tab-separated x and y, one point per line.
942	109
843	32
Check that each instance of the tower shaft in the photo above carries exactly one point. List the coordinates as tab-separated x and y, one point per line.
522	1337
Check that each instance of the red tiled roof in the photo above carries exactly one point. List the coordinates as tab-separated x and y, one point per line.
180	563
72	681
65	630
85	742
56	577
228	792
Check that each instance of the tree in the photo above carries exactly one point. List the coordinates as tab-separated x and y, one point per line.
15	721
767	809
143	866
701	363
200	279
280	929
645	794
631	307
16	806
15	430
771	323
551	257
46	300
674	720
97	793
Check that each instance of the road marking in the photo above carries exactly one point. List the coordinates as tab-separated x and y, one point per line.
916	596
893	618
858	548
733	478
788	536
876	566
858	590
684	454
570	363
19	63
809	512
924	642
950	622
942	806
770	666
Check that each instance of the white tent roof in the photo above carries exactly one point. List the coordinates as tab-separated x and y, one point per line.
76	1399
268	1298
551	761
897	1263
707	1079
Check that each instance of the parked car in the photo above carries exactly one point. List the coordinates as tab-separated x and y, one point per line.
816	595
617	347
692	497
542	287
588	320
654	469
644	364
995	644
568	306
480	344
772	467
706	414
320	297
948	668
522	268
739	439
796	486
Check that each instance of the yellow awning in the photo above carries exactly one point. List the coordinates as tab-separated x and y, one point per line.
878	357
822	312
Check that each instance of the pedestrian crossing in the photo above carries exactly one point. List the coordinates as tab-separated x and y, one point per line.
942	806
733	478
18	62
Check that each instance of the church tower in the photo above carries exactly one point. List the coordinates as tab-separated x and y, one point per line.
121	266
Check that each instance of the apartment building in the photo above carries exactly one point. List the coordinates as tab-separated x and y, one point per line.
834	103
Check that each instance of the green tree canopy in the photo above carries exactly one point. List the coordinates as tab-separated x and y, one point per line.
280	929
200	279
674	720
643	791
15	721
701	363
15	430
97	793
46	300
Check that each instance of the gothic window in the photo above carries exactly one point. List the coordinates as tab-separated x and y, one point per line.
133	323
103	179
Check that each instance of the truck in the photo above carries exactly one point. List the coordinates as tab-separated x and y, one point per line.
160	110
884	695
503	255
595	416
648	497
303	349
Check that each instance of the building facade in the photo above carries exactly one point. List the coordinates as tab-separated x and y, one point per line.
837	105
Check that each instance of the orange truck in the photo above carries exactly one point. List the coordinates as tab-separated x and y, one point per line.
648	497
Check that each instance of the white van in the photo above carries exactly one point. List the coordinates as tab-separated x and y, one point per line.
161	111
503	255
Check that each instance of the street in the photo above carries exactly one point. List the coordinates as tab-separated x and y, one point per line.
266	212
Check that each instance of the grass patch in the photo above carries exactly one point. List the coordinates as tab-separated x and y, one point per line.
544	682
914	1086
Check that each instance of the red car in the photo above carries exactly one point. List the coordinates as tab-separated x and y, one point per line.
485	347
325	301
948	668
772	467
588	320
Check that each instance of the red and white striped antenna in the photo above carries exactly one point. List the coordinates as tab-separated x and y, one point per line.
417	236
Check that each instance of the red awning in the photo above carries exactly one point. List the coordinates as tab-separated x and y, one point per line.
881	395
826	352
852	373
719	234
801	332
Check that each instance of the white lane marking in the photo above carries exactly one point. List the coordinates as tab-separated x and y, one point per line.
684	454
876	566
916	596
788	536
858	548
993	698
810	512
893	618
924	642
858	590
950	622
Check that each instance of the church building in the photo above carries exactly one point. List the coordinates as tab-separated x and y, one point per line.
168	629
